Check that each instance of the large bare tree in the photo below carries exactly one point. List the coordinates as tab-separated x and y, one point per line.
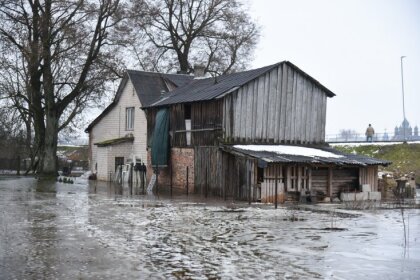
58	54
176	34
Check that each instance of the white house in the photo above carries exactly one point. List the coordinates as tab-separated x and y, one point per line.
119	133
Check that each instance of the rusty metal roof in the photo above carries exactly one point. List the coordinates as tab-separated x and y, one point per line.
211	88
344	159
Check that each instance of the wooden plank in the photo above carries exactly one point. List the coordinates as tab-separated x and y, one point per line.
295	116
324	115
289	94
300	110
265	110
244	111
283	104
329	182
260	109
271	121
278	106
312	115
248	112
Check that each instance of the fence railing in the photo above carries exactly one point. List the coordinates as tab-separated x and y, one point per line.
361	137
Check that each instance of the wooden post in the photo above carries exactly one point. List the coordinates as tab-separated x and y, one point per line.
18	166
275	190
249	186
157	177
121	174
330	184
170	171
205	188
131	173
142	179
187	180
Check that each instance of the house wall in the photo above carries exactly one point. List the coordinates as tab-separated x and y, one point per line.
281	106
113	125
106	159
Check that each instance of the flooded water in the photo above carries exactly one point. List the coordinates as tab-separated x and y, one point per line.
106	232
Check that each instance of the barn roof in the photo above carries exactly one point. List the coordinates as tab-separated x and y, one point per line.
212	88
148	86
300	154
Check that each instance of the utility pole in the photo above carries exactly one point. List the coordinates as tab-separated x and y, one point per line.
402	87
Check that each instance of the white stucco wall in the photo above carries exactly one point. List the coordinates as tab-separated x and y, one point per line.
112	126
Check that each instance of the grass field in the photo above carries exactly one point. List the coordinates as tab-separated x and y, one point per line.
405	157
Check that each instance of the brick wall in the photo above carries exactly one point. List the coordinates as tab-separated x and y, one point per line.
179	160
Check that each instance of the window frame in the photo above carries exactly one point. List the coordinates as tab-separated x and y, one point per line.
129	118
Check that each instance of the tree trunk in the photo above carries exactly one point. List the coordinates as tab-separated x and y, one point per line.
48	161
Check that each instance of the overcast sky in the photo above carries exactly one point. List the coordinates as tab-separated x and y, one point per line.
353	48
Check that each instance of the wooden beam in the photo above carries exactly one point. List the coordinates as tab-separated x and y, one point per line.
330	180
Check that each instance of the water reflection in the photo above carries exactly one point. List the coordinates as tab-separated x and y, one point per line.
102	230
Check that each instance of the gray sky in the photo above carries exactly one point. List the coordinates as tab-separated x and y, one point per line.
352	47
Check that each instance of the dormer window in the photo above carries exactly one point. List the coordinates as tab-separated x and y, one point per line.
129	118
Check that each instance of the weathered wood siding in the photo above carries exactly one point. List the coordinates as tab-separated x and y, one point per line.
222	174
369	175
320	180
206	123
272	173
345	180
281	106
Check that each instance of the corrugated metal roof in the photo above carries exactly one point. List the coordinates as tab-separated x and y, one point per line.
211	88
345	159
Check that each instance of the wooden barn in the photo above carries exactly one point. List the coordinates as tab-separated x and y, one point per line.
241	135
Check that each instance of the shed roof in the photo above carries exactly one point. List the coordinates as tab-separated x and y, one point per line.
211	88
148	86
301	154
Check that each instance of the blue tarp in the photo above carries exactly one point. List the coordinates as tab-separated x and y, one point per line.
160	141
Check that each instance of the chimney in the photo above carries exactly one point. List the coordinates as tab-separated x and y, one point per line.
199	70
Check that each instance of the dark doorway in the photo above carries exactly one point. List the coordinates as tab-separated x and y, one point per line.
118	161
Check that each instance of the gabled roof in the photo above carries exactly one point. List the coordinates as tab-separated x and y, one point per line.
212	88
303	154
148	86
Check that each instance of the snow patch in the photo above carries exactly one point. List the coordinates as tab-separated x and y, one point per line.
288	150
355	144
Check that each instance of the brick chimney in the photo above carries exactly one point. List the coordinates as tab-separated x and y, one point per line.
199	70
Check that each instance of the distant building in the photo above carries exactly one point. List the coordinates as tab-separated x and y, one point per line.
406	132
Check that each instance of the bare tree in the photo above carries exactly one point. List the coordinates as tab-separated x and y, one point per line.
62	53
348	134
176	34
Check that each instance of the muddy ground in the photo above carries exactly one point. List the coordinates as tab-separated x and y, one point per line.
102	231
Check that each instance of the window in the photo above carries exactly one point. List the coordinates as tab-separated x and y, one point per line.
187	116
129	118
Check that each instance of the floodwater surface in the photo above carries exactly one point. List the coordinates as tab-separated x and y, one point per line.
102	231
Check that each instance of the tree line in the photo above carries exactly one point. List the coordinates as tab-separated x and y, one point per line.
59	57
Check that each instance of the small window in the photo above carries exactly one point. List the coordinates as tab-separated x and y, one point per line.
187	111
260	175
129	118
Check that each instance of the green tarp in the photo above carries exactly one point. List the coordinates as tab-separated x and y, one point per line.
160	141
